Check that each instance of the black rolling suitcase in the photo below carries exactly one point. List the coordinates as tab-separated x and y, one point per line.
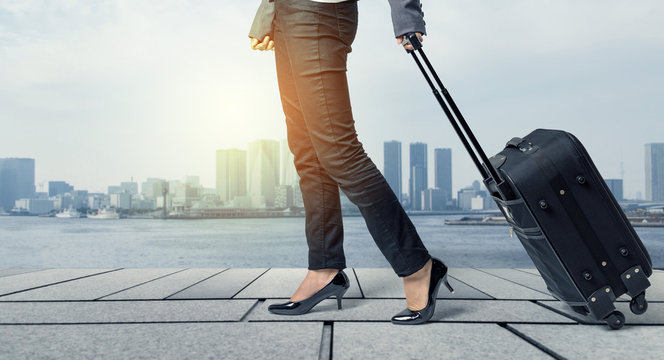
571	226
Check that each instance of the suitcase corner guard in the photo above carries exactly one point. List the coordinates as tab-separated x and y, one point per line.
600	303
635	280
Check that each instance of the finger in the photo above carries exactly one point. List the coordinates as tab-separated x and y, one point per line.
270	45
262	45
419	36
254	42
266	39
399	40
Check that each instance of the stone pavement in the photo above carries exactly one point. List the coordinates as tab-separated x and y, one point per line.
222	314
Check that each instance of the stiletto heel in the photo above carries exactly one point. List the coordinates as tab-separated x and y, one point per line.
340	295
447	284
338	286
438	276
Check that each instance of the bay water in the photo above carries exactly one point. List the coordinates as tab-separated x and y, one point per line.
33	242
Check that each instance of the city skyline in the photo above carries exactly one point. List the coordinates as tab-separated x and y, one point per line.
127	89
277	160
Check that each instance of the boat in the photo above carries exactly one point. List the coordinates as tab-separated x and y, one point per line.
104	214
69	213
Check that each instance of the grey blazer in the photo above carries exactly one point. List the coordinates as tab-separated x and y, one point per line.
407	16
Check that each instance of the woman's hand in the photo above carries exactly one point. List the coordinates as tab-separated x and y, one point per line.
266	44
409	46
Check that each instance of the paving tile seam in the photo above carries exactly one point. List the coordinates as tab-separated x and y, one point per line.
326	341
122	322
59	282
472	287
513	282
246	314
525	272
207	278
431	322
143	283
358	283
533	342
123	300
251	282
559	312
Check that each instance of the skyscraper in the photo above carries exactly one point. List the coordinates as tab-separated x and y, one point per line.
287	174
655	172
616	187
231	174
17	181
443	171
392	166
263	176
59	188
418	174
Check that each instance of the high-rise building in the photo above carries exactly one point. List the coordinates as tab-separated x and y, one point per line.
655	172
287	173
17	181
129	187
263	165
443	171
433	200
148	188
616	187
231	174
392	166
59	188
418	174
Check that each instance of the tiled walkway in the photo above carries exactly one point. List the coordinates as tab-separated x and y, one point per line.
222	313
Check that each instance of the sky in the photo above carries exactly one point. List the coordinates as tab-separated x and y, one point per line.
102	91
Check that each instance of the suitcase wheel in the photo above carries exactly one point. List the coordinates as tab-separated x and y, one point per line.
639	304
615	320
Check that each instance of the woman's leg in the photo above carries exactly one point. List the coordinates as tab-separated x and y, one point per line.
315	38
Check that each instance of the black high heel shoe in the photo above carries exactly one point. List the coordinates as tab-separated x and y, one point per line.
337	287
438	276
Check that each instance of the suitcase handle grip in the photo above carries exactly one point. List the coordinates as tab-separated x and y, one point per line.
457	119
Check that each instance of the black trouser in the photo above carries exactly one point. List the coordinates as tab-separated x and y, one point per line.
312	42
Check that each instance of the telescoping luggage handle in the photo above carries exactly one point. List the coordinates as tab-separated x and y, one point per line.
417	46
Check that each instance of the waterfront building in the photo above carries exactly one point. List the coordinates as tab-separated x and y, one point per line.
655	172
130	187
288	173
80	199
263	166
392	166
249	202
283	196
443	172
616	187
433	200
231	174
121	200
63	201
418	181
98	201
466	195
112	189
59	188
17	181
148	189
183	195
34	206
